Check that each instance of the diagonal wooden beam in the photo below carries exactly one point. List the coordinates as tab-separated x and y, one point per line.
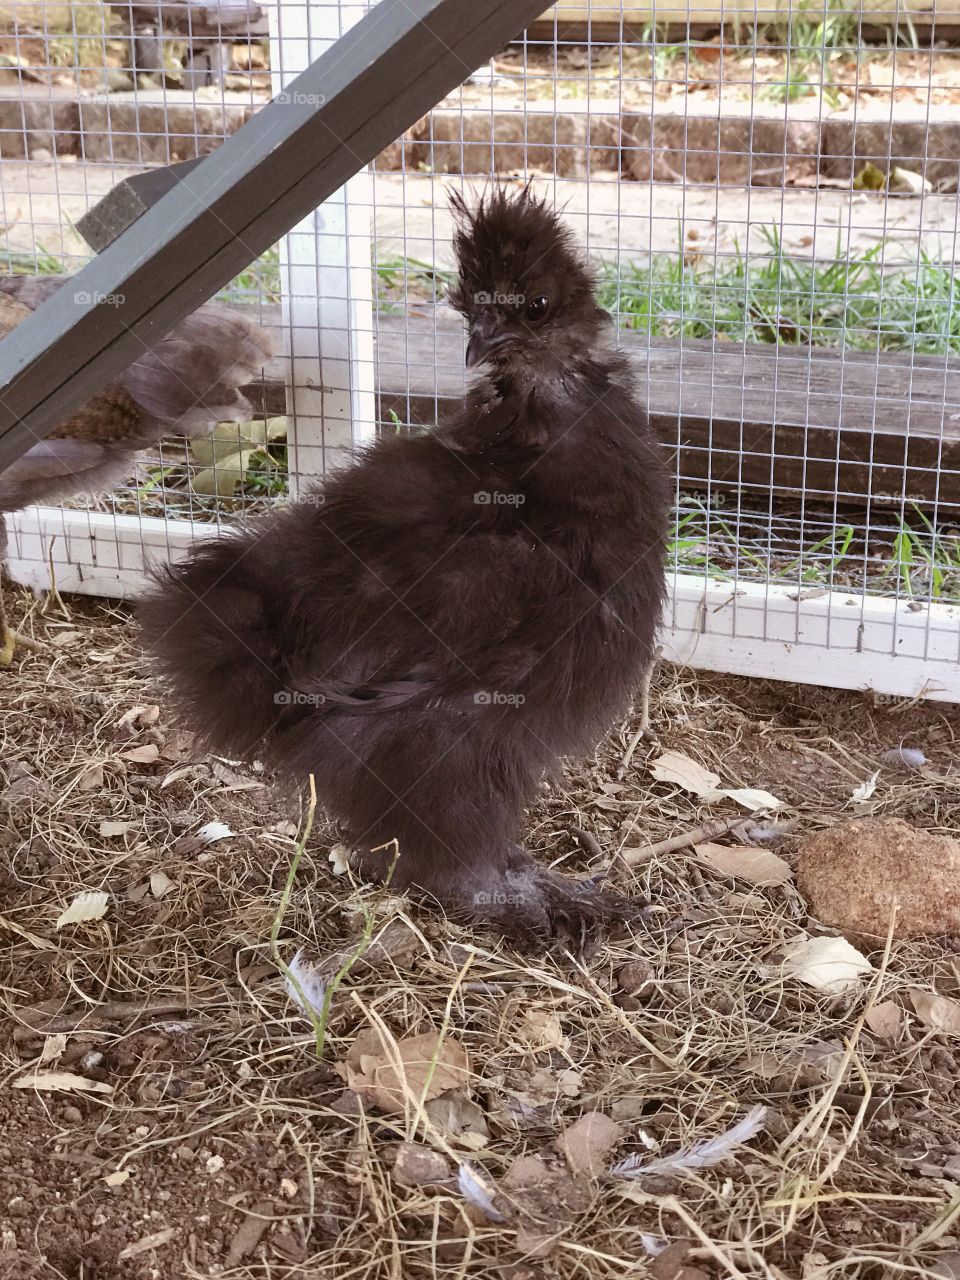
383	75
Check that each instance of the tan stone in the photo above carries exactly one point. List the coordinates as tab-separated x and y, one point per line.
730	150
854	873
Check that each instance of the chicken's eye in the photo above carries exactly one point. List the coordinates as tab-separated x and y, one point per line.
537	309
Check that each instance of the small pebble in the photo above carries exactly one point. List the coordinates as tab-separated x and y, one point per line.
72	1115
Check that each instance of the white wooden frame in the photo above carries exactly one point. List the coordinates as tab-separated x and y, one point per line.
839	639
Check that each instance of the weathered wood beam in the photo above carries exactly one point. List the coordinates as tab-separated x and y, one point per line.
383	75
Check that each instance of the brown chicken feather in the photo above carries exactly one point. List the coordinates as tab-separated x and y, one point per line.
438	625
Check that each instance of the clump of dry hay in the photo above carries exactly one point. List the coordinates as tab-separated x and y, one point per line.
224	1145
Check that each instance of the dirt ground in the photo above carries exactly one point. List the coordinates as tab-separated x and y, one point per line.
194	1132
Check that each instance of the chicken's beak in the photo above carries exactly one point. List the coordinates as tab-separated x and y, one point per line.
483	342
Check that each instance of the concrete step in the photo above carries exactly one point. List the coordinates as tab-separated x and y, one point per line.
740	144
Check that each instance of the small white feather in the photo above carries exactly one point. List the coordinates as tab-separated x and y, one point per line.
312	983
701	1155
477	1193
213	831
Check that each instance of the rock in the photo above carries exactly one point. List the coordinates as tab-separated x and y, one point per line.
852	875
418	1166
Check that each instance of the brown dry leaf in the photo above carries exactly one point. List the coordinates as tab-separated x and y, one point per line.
393	1075
160	884
884	1019
685	773
459	1120
180	745
940	1013
91	779
153	1241
588	1142
758	866
541	1029
53	1047
146	754
108	828
61	1082
247	1236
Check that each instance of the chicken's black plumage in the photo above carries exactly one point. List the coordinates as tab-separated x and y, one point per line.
450	616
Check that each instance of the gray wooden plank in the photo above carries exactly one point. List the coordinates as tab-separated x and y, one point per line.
757	418
384	74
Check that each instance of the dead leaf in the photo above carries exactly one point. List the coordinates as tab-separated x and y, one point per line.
940	1013
160	884
64	639
865	789
418	1166
179	746
108	828
91	779
154	1241
752	798
758	866
831	965
61	1081
144	715
146	754
85	908
53	1047
685	773
884	1019
394	1075
542	1030
587	1143
256	1219
117	1178
460	1120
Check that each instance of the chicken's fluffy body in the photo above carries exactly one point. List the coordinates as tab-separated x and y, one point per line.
430	632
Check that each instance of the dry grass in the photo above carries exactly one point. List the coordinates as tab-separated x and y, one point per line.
247	1157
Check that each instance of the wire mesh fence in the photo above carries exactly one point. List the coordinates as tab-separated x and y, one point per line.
770	200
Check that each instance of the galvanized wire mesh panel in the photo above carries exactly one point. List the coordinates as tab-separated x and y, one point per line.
770	200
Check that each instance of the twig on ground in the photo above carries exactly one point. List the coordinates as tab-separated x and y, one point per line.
698	835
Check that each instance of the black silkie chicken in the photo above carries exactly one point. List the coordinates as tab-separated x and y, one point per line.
456	612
